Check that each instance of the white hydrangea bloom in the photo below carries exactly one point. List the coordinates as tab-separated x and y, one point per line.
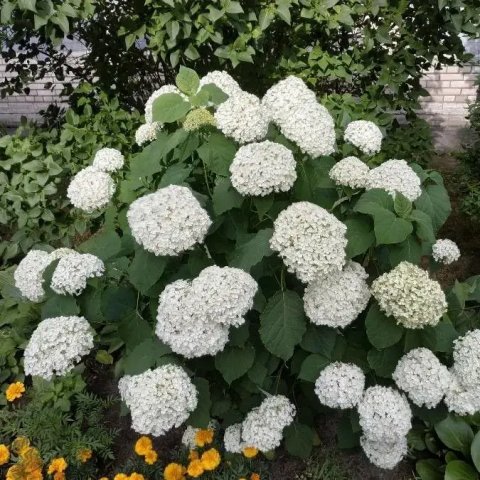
157	93
147	132
56	345
385	414
365	135
60	253
409	295
350	172
461	400
263	426
91	189
188	437
445	251
420	374
232	439
395	176
310	241
223	81
108	160
169	221
340	385
242	118
29	274
72	272
158	399
295	110
337	299
466	359
384	455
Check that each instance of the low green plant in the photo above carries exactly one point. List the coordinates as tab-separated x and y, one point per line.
323	466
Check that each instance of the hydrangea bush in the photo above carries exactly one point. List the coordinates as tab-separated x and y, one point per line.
257	267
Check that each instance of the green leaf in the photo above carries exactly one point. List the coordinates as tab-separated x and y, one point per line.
299	439
429	469
60	306
390	229
248	254
27	5
169	107
319	339
217	154
373	201
215	94
175	174
475	451
234	362
282	323
144	356
409	250
424	227
435	203
455	433
103	357
360	235
200	417
187	81
225	197
460	470
105	244
312	366
385	361
6	12
440	337
145	270
382	331
118	302
402	205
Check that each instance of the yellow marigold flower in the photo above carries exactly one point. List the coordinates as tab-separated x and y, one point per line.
14	391
14	472
136	476
120	476
193	455
59	476
203	437
151	457
143	445
250	452
31	460
4	454
103	478
84	455
255	476
195	468
174	471
211	459
20	445
57	465
37	475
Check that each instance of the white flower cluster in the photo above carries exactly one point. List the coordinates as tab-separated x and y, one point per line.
91	189
365	135
194	317
420	374
56	345
108	160
158	399
310	241
460	399
395	176
385	418
263	168
350	172
169	221
263	426
410	296
292	106
232	439
337	300
445	251
72	272
223	81
147	133
242	118
29	274
340	385
158	93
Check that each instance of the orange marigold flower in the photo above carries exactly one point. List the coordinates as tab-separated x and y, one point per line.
203	437
20	445
14	391
31	461
174	471
84	455
4	454
250	452
59	476
255	476
57	465
103	478
195	468
120	476
211	459
143	445
151	457
15	472
136	476
35	475
193	455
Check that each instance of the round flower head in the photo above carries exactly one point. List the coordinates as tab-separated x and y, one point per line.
223	81
263	168
364	135
90	189
462	400
188	437
56	345
445	251
169	221
338	299
242	118
232	439
181	325
340	385
29	274
395	176
295	110
72	272
420	374
198	119
385	414
108	160
466	359
384	455
310	241
410	296
147	133
350	172
158	93
158	399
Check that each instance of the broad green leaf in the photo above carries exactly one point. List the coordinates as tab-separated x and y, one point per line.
299	439
440	337
410	250
424	226
475	451
103	357
455	433
312	366
402	205
373	201
133	330
169	107
319	339
27	5
60	306
234	362
118	302
216	95
360	235
225	197
460	470
175	174
105	244
217	154
145	270
282	323
390	229
200	417
429	469
144	356
187	81
435	202
382	331
248	254
383	362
